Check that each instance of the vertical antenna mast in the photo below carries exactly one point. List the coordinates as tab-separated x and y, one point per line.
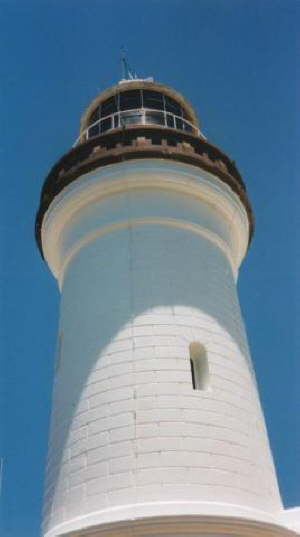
123	63
127	72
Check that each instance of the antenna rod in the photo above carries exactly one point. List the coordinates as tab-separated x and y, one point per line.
127	72
123	62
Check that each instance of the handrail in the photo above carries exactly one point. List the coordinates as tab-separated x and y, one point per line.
142	112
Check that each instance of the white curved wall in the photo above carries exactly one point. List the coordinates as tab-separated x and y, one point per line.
129	435
291	518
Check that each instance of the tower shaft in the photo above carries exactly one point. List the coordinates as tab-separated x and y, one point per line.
156	425
147	269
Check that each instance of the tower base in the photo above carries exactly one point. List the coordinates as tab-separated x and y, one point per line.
135	524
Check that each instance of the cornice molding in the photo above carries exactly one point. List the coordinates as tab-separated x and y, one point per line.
159	175
143	144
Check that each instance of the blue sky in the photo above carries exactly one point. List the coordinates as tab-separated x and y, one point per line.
235	60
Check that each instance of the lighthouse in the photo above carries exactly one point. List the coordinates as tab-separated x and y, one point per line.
156	424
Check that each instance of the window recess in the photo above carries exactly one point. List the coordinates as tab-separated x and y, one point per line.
199	366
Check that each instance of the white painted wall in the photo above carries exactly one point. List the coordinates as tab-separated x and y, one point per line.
291	518
146	268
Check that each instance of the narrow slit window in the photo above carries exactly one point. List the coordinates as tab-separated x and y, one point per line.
193	373
199	366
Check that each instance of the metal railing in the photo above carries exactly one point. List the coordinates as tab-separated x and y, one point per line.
138	116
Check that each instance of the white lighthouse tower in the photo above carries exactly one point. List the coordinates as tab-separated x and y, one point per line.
156	428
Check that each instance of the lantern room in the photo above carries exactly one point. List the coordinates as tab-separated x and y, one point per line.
138	102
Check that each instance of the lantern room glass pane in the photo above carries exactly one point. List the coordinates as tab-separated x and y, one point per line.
157	118
130	100
173	106
179	123
93	131
170	121
105	124
130	118
109	106
94	116
153	100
